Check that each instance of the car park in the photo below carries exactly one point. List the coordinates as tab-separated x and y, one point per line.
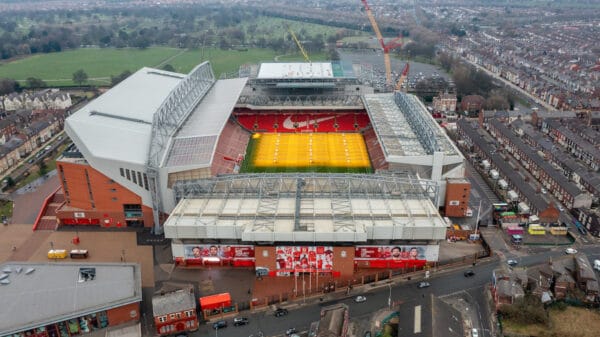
570	251
240	321
280	312
511	262
469	273
219	325
360	299
423	285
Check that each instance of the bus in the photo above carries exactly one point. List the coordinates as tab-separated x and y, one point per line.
536	230
500	207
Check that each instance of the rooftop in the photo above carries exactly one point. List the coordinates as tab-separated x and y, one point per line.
174	301
43	293
405	127
304	70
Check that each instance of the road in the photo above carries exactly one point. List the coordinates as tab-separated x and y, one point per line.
511	85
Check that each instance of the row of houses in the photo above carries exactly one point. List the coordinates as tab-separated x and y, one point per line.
573	142
473	139
554	78
26	131
556	280
582	176
44	99
554	181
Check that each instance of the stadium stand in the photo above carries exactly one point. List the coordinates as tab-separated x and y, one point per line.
375	151
232	143
321	121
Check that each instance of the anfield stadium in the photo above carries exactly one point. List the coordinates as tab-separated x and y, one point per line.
292	167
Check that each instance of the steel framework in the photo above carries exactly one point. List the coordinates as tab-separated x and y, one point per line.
301	100
169	118
422	128
314	185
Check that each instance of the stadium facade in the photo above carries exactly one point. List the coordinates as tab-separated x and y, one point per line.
185	154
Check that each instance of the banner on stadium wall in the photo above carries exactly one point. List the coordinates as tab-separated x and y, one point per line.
303	259
218	252
397	253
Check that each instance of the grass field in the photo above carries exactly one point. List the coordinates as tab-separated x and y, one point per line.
572	322
295	152
100	63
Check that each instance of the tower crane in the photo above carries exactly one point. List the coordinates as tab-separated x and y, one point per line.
385	47
403	77
299	44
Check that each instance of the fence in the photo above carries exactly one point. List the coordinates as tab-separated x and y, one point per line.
347	284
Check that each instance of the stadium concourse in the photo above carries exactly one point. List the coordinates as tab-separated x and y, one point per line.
177	153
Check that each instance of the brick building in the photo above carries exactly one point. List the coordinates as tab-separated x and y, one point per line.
175	311
458	192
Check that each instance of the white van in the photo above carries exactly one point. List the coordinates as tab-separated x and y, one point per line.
597	264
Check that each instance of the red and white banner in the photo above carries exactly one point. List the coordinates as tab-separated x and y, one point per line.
304	259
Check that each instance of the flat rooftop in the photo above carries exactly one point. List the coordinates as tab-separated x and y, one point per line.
43	293
305	70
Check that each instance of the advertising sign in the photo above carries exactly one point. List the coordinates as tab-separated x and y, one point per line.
310	259
218	252
395	256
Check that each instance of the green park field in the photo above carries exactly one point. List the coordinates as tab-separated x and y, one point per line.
100	63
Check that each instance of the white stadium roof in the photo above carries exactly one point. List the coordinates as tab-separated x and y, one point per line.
299	70
365	219
118	124
40	294
195	143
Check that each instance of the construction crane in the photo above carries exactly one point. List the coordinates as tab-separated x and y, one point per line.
385	47
299	44
403	77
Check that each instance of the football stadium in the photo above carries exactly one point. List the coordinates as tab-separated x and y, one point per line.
288	167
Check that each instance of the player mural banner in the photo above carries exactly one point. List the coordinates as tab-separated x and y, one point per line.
309	259
218	252
395	256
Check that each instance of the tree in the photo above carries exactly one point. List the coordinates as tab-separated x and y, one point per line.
114	80
80	77
34	82
43	167
8	85
168	67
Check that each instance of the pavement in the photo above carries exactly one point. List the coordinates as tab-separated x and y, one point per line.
28	200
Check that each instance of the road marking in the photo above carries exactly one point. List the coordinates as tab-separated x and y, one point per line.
288	124
417	328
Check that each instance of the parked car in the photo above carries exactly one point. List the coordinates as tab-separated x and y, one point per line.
474	333
512	262
367	334
280	312
423	285
544	191
290	331
469	273
240	321
571	251
360	299
219	325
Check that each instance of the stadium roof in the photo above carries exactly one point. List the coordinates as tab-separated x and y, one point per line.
308	220
39	294
406	130
195	143
298	70
117	124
